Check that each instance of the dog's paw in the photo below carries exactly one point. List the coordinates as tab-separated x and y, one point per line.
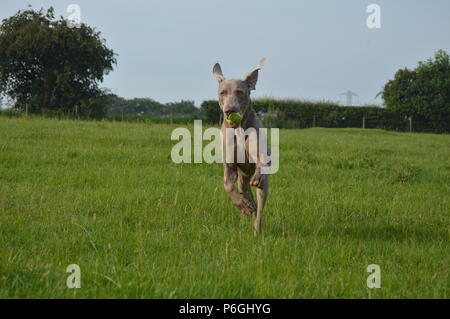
257	179
247	207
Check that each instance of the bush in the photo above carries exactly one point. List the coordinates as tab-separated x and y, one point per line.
10	113
211	111
304	114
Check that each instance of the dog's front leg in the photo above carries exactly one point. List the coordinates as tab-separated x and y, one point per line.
230	178
258	179
259	154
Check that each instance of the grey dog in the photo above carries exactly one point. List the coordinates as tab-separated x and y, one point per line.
234	96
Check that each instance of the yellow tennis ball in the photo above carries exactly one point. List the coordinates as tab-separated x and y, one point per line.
234	118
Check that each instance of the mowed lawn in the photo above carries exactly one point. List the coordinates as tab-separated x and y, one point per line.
106	196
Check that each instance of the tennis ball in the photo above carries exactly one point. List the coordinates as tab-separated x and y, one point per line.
234	118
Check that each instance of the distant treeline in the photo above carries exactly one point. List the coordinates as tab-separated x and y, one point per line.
113	107
119	108
305	114
273	113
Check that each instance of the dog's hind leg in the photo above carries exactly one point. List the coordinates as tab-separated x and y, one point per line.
261	196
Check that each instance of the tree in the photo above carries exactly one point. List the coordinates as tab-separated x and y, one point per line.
47	66
211	111
182	108
115	106
422	93
144	107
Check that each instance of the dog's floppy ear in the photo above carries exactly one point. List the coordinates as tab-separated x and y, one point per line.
252	77
217	71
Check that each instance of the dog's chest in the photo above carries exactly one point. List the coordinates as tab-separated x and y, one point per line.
238	153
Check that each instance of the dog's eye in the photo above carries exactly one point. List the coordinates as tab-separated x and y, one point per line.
240	92
222	93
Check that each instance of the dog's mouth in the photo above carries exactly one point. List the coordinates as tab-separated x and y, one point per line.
233	125
233	119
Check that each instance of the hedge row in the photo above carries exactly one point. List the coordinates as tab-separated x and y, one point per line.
304	114
183	120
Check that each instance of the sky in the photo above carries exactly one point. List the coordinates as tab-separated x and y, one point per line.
314	49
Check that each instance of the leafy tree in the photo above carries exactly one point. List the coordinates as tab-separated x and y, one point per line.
422	93
182	108
143	107
118	107
114	106
211	111
47	66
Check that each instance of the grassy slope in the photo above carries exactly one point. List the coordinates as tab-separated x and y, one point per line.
106	196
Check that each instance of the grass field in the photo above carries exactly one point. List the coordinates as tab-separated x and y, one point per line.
106	196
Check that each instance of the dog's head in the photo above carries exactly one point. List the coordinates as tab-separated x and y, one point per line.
234	94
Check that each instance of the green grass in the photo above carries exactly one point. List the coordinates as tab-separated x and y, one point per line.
107	197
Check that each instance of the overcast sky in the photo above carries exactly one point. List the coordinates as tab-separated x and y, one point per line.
314	49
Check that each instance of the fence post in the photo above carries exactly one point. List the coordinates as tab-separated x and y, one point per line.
410	124
314	120
364	122
26	109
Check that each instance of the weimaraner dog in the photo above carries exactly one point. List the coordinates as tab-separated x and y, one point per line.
234	96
